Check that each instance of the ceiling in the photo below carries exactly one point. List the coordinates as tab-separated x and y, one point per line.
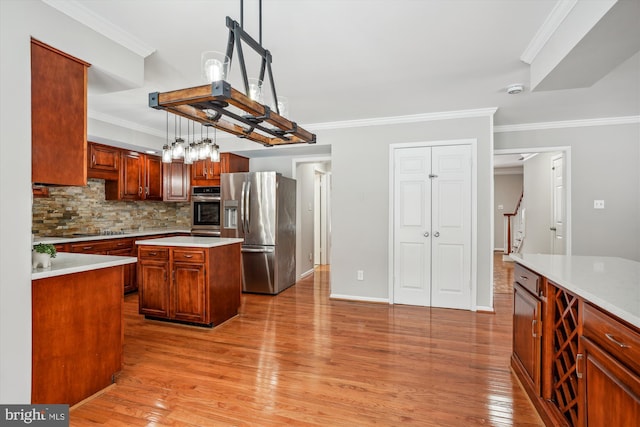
342	60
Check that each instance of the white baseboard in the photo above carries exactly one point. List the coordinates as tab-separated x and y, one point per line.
306	273
498	249
484	309
356	298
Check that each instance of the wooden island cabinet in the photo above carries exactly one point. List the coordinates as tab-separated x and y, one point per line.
195	280
576	338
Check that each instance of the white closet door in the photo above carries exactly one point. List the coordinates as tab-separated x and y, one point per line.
412	221
451	227
558	211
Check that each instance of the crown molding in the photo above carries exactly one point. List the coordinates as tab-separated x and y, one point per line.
95	115
547	29
393	120
75	10
568	124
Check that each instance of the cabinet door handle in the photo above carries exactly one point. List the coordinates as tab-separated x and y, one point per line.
188	256
86	248
139	190
579	358
615	341
93	160
524	277
534	323
153	253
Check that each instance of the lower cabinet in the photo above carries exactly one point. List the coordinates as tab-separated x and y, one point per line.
116	247
527	319
579	365
189	284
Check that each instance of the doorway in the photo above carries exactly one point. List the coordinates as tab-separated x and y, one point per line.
432	225
548	230
313	213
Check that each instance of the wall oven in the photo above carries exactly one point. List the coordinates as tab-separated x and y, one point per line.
205	211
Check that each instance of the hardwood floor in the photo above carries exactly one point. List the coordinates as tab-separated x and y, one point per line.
302	359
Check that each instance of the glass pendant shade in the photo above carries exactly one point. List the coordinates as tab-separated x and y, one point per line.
283	106
166	154
255	90
177	150
215	66
215	153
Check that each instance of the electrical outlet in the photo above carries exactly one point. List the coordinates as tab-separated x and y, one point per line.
360	275
310	256
598	204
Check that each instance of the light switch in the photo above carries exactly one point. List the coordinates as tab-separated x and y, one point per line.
598	204
500	207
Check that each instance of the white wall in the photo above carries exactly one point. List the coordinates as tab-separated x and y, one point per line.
360	201
537	204
19	20
605	164
305	174
507	190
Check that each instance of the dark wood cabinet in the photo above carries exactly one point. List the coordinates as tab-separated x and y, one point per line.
527	322
103	161
77	335
189	284
579	365
140	178
206	172
610	370
176	178
188	298
118	247
58	117
153	281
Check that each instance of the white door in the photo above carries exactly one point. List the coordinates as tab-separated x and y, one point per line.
412	226
558	209
432	226
451	227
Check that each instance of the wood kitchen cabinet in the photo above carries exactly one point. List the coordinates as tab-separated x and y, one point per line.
117	247
579	365
58	117
206	172
189	284
176	177
609	370
140	178
103	161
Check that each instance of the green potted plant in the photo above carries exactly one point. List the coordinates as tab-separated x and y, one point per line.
42	254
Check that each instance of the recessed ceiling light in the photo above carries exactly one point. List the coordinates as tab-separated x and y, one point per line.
514	89
150	152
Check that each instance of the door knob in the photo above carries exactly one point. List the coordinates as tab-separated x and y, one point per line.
426	234
436	234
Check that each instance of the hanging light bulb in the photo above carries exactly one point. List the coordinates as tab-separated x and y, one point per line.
215	150
177	147
166	149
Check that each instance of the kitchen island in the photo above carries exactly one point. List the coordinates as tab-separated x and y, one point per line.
576	338
77	326
189	279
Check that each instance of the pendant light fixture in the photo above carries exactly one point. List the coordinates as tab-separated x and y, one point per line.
211	104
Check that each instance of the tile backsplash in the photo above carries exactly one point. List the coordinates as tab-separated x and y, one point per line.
70	210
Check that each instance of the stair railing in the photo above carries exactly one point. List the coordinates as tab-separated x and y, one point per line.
508	225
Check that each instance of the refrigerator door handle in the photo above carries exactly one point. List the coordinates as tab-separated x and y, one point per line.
247	204
242	207
258	250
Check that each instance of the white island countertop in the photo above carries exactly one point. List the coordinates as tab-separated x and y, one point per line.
612	284
68	263
190	241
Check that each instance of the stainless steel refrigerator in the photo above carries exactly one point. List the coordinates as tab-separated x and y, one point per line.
260	207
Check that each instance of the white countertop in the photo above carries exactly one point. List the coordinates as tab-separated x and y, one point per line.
612	284
190	241
72	239
68	263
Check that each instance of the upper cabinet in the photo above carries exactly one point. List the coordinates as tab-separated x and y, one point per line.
103	161
140	178
58	117
176	178
206	172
